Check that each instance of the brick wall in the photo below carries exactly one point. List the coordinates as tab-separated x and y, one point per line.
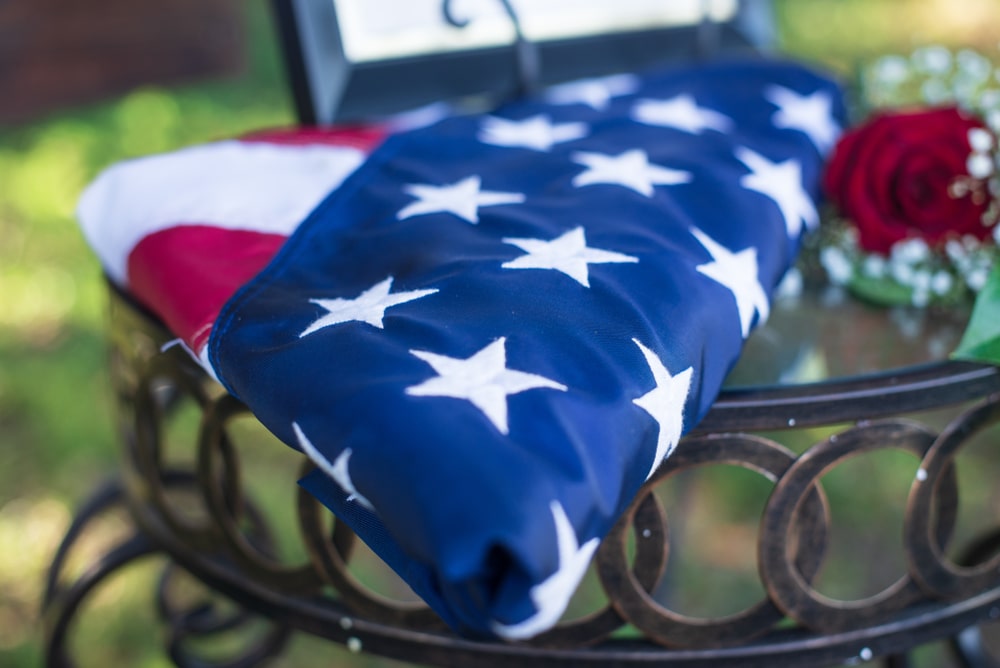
57	53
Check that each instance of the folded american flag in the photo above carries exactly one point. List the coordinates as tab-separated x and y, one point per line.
488	332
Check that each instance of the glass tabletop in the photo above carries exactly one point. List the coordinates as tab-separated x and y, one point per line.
826	334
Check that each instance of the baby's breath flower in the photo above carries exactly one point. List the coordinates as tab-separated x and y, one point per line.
956	251
921	284
974	65
979	165
989	98
874	266
901	272
891	70
837	265
942	283
964	92
976	278
935	91
910	251
993	120
932	59
980	140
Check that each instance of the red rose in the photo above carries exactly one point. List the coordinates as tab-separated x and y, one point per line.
893	177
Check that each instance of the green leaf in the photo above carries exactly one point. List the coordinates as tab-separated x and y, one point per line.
981	341
880	291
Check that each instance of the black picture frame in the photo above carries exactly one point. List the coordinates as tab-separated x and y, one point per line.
328	88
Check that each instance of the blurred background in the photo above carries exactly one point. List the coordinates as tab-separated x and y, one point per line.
73	100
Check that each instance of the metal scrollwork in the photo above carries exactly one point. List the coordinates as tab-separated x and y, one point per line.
205	619
330	552
220	482
936	574
783	579
230	546
673	629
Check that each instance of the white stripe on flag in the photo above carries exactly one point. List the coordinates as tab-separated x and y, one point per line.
230	184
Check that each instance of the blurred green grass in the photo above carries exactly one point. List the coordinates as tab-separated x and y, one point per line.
56	440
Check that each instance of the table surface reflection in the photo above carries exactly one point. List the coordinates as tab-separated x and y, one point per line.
826	334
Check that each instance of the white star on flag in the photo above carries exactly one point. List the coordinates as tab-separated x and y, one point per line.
567	253
630	169
681	112
338	470
462	199
595	93
739	273
665	403
811	114
537	132
369	307
782	182
483	379
552	596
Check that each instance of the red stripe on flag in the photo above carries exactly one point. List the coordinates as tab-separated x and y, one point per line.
185	274
361	137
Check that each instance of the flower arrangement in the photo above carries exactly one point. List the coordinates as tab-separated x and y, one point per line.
915	189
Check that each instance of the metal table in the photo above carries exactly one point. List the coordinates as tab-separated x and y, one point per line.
825	365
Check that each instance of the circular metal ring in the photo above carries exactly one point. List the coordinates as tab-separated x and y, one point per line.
204	620
931	568
649	523
329	557
790	589
144	449
223	493
676	630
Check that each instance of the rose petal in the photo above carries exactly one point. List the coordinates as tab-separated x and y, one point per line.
895	177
